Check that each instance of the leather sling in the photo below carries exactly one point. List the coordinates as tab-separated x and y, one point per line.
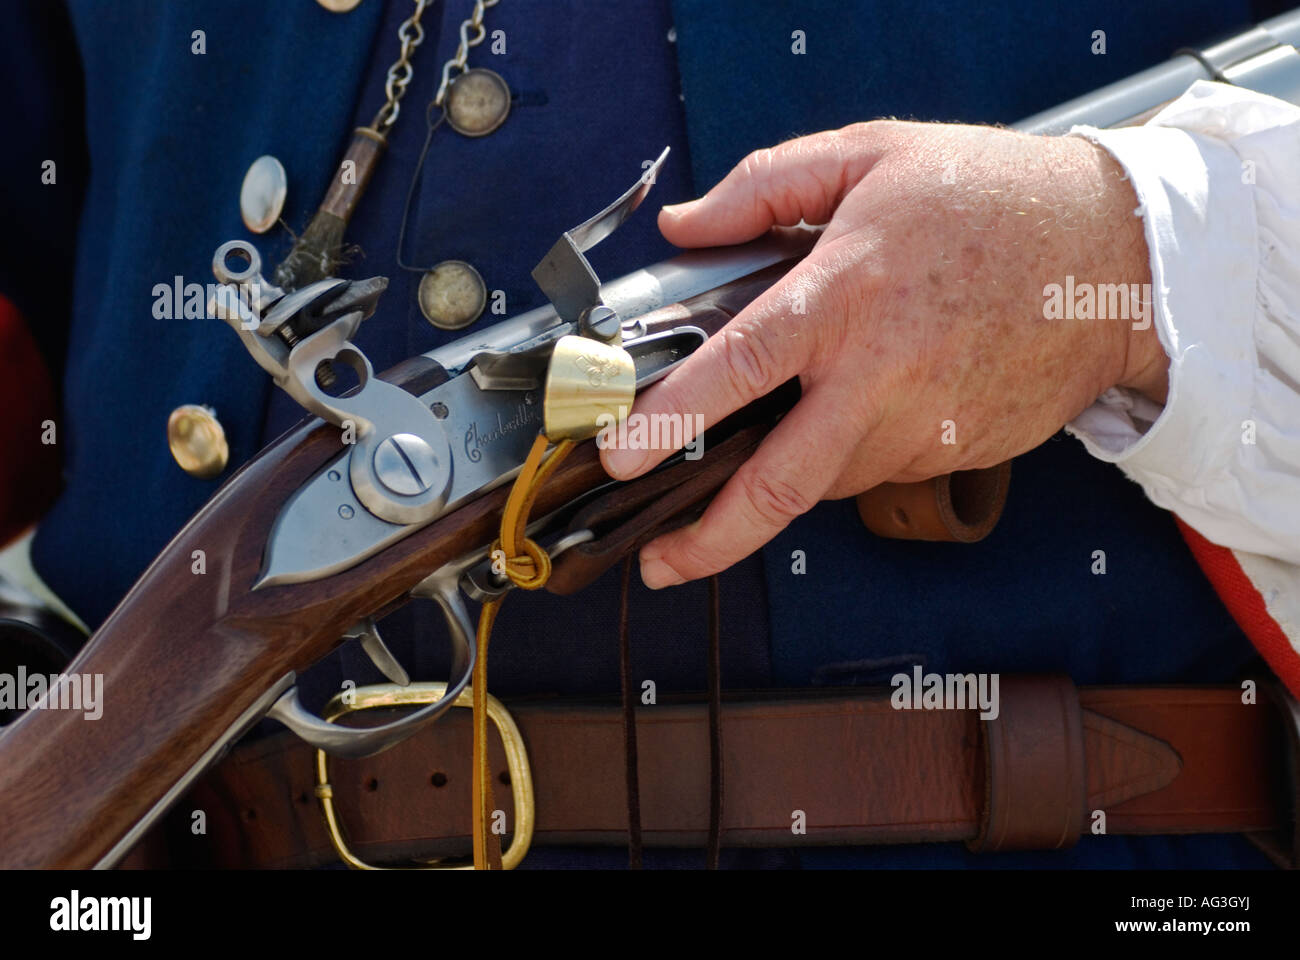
958	507
841	767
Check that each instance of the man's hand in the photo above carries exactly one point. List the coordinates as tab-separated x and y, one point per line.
916	326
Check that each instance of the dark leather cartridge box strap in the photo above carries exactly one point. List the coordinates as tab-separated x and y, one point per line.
961	507
838	768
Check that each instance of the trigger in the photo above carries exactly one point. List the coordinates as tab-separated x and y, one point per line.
379	654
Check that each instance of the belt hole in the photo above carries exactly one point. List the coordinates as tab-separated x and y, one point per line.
372	784
504	777
250	814
438	779
900	516
302	797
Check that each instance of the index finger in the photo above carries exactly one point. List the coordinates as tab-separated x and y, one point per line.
761	348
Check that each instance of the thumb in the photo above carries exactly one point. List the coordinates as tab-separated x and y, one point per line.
803	179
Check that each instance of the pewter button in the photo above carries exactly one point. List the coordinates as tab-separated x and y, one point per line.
261	198
478	102
452	295
339	6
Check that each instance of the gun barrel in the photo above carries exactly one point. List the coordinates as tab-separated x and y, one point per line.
1262	58
680	278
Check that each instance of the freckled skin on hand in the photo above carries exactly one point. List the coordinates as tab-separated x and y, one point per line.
925	303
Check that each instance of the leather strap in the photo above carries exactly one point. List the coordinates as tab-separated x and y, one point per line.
962	507
1283	846
634	513
627	694
1034	766
528	567
839	768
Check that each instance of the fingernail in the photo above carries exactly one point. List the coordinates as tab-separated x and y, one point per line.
622	463
656	574
677	209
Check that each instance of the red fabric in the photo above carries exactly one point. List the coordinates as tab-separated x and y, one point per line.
29	469
1246	605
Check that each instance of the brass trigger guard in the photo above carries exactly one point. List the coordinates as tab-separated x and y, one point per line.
443	586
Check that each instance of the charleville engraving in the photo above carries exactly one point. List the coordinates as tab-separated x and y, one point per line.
477	438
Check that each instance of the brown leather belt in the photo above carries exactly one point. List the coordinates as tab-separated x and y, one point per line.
840	768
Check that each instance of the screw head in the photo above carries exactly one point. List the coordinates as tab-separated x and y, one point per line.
405	464
601	323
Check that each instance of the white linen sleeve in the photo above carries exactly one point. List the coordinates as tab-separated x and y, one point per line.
1217	176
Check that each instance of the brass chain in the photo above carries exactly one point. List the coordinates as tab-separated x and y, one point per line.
436	114
399	74
412	35
466	42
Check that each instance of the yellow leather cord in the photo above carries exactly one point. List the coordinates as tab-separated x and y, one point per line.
529	567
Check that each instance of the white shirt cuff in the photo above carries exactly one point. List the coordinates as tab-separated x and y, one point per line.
1216	177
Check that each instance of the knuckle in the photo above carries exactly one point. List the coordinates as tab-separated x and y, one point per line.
776	501
750	184
757	166
888	128
868	410
748	361
690	559
879	128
